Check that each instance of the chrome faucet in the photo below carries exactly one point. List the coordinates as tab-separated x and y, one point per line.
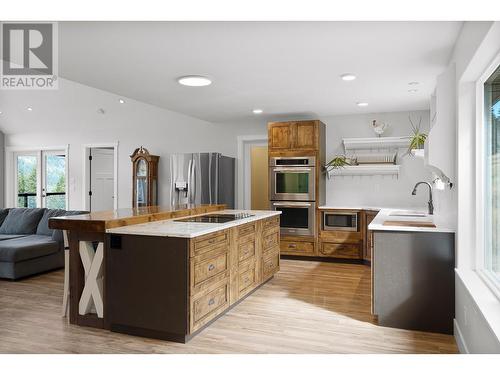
430	204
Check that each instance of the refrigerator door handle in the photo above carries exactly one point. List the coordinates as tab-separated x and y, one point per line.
210	178
192	181
188	188
216	190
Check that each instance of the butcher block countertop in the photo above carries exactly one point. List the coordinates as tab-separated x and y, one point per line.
102	220
173	228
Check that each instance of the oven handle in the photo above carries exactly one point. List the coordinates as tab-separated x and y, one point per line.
294	169
291	204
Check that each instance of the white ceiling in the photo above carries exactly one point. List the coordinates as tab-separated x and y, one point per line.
285	68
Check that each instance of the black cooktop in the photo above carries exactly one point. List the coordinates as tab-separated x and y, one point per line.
216	218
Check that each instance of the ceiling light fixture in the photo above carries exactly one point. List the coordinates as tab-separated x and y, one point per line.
348	77
361	104
412	90
121	101
257	111
413	83
29	109
194	81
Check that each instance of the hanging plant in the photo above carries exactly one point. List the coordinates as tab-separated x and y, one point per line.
418	138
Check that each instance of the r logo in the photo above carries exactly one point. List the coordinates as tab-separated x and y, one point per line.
27	49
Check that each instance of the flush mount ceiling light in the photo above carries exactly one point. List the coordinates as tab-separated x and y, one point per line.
413	83
257	111
121	101
29	109
194	81
361	104
348	77
412	90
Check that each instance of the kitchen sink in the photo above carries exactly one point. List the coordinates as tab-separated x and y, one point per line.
408	213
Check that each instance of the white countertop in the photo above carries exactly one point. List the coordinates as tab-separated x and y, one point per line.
352	208
385	214
172	228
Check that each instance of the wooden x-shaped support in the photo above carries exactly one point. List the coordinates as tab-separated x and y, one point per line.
92	291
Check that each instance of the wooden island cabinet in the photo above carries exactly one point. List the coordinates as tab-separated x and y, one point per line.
170	287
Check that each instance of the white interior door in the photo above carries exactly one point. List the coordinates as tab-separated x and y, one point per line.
101	179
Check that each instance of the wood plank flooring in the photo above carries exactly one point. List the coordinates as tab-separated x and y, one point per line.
309	307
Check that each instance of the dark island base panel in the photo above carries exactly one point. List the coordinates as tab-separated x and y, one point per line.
325	259
171	336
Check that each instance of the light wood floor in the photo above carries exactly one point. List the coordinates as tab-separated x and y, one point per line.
309	307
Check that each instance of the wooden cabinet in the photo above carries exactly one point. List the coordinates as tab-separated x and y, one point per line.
295	135
368	247
280	136
341	244
291	247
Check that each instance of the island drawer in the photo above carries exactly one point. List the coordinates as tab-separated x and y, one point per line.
270	264
207	306
297	247
246	280
246	250
246	229
272	222
270	238
336	250
206	266
209	242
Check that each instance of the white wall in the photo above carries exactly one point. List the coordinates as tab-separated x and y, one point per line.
69	116
477	326
376	191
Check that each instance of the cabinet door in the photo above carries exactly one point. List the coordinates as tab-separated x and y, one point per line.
305	135
280	136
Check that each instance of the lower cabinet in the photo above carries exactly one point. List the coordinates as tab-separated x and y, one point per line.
170	288
341	250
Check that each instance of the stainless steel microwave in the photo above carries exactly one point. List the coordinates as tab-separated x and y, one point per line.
292	178
340	221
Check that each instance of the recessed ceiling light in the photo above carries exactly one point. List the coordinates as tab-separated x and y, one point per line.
121	101
362	104
257	111
101	111
194	81
0	112
413	83
348	77
412	90
29	109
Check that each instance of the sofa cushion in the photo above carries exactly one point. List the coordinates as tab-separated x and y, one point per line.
43	225
22	221
29	247
3	214
4	237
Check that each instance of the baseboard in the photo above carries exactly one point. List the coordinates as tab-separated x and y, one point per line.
459	338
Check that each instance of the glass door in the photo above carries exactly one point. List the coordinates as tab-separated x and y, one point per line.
54	179
40	179
27	178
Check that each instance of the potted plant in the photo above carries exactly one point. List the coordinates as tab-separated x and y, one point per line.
339	161
417	139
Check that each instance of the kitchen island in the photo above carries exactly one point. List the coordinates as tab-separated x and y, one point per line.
413	264
169	279
85	258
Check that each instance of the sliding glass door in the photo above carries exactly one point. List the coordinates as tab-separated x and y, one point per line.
40	179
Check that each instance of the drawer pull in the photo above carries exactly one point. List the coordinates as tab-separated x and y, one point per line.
211	241
211	302
292	246
211	267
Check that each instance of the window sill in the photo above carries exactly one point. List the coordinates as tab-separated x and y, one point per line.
487	302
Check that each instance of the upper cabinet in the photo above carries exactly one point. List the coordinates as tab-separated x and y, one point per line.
294	135
441	143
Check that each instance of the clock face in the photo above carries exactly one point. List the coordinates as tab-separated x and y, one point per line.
142	168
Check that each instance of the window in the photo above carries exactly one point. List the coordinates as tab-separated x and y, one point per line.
40	179
491	165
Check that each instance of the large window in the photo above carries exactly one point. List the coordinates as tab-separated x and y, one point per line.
491	259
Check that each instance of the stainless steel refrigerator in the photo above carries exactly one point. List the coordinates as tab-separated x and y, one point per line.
202	178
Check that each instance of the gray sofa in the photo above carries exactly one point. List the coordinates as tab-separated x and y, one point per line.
27	245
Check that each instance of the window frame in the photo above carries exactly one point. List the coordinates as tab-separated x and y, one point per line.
491	280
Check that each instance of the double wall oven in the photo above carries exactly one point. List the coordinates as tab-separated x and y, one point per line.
293	192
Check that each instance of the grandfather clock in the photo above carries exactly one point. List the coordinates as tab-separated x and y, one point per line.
145	178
